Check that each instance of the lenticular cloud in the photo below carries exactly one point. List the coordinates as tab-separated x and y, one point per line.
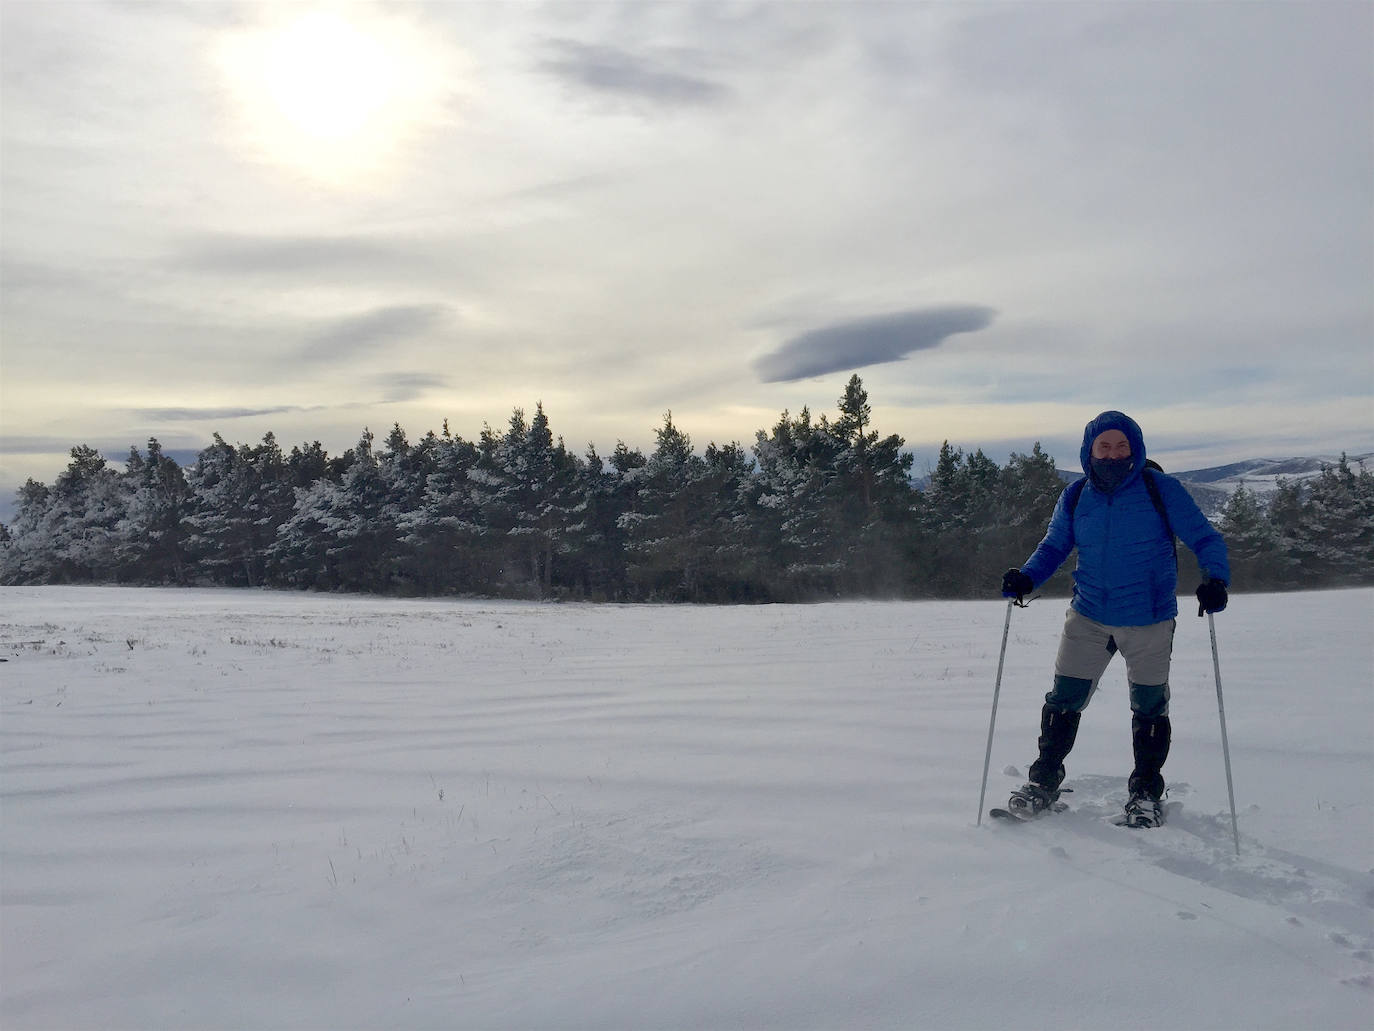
871	341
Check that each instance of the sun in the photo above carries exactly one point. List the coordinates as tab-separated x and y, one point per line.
331	95
328	78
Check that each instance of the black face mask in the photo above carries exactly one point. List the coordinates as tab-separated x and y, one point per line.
1111	473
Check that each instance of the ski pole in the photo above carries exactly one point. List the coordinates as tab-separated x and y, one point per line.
996	690
1225	748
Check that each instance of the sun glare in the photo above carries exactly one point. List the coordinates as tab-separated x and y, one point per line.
333	96
327	77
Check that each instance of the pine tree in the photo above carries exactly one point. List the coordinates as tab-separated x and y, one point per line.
609	490
308	464
854	462
871	497
667	535
549	501
796	518
152	535
1290	518
947	536
1339	537
340	533
405	471
303	553
1257	561
239	498
726	566
444	535
526	487
28	556
86	506
1016	505
364	546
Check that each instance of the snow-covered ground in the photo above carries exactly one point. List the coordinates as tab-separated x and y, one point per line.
260	810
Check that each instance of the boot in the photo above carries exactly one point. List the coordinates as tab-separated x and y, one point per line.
1143	811
1150	741
1030	800
1057	733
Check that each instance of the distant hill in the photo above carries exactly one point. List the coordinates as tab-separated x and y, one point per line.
1211	487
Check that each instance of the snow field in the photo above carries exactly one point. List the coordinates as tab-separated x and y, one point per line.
255	809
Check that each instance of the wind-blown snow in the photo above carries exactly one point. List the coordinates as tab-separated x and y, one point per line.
262	810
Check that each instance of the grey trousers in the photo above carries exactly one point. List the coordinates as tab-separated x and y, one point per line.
1085	649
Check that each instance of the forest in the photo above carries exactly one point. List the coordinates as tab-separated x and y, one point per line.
815	509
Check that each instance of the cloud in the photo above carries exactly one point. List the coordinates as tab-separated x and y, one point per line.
610	70
196	414
35	445
23	275
388	325
113	449
408	386
233	254
871	341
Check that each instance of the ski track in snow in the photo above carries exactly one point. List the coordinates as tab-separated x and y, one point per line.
253	809
1201	848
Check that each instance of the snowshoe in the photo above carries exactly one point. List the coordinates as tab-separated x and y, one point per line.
1029	802
1141	811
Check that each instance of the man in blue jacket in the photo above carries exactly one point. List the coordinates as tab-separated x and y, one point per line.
1122	517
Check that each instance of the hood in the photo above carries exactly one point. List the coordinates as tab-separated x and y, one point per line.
1113	421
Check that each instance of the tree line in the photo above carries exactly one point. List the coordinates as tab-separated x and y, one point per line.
815	509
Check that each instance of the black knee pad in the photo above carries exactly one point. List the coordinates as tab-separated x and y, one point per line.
1150	701
1069	694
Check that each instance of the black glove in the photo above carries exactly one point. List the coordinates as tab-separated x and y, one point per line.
1016	584
1211	596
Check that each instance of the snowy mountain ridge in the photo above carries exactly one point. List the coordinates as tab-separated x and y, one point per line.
1211	487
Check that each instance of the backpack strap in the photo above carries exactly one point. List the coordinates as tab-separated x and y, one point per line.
1152	485
1074	492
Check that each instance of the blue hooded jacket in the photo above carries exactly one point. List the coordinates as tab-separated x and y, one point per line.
1127	571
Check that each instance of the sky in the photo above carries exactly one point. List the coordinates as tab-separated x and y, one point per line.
307	219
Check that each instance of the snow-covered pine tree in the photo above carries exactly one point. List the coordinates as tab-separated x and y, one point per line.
363	549
303	552
28	556
405	470
525	485
1339	526
946	536
1252	543
1018	507
239	498
725	564
1298	525
668	534
797	518
443	535
553	499
151	537
608	490
872	495
854	464
85	506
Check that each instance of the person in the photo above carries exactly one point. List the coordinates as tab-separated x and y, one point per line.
1122	517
